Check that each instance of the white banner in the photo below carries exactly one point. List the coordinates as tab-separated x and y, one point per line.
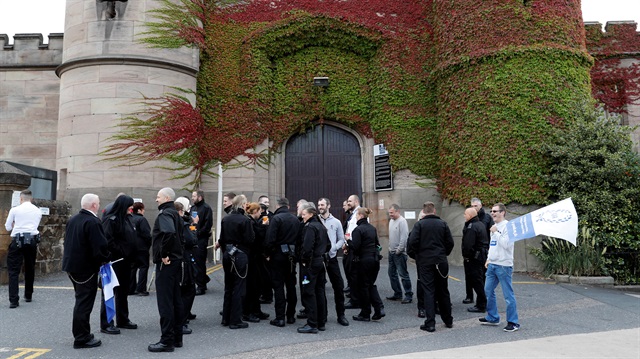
559	220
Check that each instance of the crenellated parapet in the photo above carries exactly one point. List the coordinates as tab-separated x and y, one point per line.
619	39
30	51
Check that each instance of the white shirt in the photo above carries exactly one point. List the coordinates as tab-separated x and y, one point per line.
500	247
24	218
353	222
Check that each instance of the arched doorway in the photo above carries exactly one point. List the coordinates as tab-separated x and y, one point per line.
323	162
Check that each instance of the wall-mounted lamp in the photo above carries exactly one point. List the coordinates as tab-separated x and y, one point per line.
321	81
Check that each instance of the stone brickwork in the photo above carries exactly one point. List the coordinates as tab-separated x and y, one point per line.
29	96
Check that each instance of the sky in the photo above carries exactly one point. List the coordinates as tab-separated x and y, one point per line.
47	16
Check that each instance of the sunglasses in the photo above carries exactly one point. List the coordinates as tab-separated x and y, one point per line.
492	211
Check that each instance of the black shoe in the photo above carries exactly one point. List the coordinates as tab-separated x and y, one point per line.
251	318
277	322
429	329
186	330
28	300
110	330
321	327
291	320
449	325
342	320
224	323
241	325
378	315
191	316
160	347
262	315
92	343
143	294
302	315
475	309
406	300
14	305
422	313
307	330
128	325
359	318
178	344
200	291
351	305
467	301
394	297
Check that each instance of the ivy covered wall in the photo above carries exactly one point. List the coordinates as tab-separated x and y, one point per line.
461	91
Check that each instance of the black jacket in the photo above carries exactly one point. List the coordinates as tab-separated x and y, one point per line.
167	233
260	232
121	237
85	246
236	229
284	228
431	240
475	243
486	219
143	231
205	219
364	240
315	240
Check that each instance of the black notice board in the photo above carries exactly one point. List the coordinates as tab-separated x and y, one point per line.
383	178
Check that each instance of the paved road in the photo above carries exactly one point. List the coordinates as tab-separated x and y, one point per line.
557	321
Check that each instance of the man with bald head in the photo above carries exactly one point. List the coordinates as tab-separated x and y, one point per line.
475	246
167	257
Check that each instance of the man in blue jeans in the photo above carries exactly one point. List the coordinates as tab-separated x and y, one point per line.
398	234
499	270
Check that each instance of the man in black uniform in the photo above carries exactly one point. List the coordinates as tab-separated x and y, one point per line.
85	249
432	242
167	256
266	288
203	230
485	219
475	246
281	238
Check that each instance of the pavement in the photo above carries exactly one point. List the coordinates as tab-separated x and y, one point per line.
558	321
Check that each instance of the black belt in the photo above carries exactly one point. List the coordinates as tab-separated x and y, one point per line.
22	239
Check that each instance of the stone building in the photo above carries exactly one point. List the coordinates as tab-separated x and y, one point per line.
61	101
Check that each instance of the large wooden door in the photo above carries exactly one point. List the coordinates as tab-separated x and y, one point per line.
323	162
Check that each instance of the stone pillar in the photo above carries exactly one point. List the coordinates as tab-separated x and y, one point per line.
11	179
105	72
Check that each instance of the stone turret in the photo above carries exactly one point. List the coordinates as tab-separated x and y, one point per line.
104	74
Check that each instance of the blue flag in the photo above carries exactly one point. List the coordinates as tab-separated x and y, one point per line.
558	220
109	281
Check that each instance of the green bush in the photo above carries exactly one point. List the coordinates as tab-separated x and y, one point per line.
593	162
562	257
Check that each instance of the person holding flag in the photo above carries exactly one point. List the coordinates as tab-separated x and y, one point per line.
85	249
499	266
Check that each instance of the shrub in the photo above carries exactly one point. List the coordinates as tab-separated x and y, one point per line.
562	257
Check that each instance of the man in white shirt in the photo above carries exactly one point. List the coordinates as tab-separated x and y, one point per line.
22	221
336	237
398	235
500	270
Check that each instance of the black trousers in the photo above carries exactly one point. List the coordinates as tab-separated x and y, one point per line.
170	306
139	273
252	298
266	284
120	294
368	296
235	286
434	282
85	286
201	262
283	275
188	294
337	283
351	272
15	257
419	290
474	278
313	294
